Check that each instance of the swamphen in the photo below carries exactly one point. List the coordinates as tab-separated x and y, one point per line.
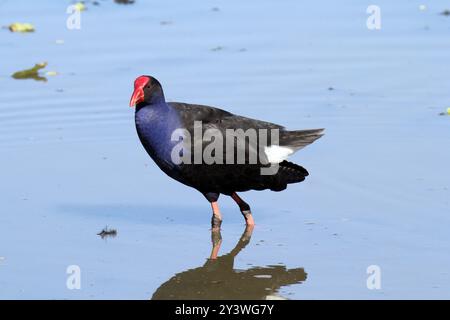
213	150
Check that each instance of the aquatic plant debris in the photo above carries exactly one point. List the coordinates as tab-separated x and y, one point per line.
446	12
124	1
106	232
32	73
218	48
79	6
21	27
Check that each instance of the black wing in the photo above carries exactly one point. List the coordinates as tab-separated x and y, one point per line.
227	178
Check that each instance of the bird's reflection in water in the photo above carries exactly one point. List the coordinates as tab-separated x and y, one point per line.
217	279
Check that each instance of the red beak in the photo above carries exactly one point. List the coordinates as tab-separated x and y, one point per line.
138	96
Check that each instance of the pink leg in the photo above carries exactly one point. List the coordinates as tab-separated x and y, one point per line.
245	209
216	219
216	239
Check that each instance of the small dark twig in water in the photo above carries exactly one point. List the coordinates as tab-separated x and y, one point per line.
105	233
124	1
446	12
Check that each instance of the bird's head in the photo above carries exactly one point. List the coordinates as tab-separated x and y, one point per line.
147	90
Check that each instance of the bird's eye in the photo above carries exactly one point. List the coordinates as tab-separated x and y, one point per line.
148	87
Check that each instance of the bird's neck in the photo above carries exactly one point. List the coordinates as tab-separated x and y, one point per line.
155	124
151	112
157	99
157	102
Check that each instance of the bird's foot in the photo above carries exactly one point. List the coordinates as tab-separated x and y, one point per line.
216	222
248	218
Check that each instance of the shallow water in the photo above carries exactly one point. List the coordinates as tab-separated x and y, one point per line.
71	164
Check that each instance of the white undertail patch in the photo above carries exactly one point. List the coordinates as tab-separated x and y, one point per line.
277	154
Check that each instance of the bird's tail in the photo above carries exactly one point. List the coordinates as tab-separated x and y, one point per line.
299	139
291	172
288	172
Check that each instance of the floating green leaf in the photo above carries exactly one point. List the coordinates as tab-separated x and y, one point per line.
21	27
32	73
79	6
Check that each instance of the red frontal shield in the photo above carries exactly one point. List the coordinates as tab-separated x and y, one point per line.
138	94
